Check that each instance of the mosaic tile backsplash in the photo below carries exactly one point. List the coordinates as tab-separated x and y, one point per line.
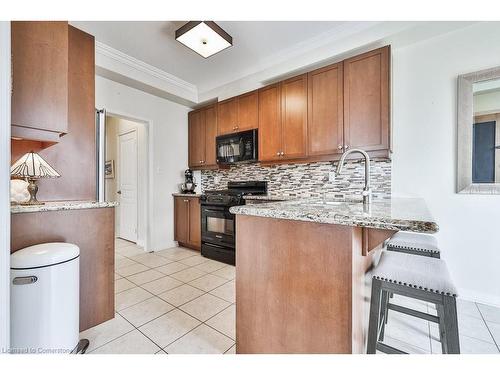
305	180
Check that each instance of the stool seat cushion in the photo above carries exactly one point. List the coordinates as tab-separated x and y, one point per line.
413	241
419	272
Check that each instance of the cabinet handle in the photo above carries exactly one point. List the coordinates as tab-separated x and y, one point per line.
346	147
340	147
282	153
186	200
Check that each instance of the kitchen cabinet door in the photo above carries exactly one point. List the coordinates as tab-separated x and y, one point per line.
227	112
210	135
248	111
294	117
194	223
270	123
325	132
366	100
181	219
39	77
196	123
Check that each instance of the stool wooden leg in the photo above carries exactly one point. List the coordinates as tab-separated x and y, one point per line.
442	330
448	325
374	316
383	314
451	325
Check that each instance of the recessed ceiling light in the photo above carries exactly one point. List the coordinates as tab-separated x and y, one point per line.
204	37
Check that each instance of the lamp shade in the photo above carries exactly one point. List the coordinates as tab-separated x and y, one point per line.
32	165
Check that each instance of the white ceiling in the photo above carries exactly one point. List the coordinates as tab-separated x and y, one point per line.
256	46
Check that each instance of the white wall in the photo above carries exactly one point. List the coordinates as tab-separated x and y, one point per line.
424	141
168	142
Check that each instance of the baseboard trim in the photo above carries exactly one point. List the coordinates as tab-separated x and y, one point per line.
474	296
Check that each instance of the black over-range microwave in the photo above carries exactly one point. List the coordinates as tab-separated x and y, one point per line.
239	147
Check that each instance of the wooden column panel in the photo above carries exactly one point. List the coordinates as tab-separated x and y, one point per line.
293	286
74	157
92	230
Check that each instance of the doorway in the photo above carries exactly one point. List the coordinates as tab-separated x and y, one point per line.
126	177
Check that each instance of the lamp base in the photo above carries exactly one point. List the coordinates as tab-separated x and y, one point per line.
32	189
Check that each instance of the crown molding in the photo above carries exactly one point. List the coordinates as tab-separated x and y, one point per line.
111	59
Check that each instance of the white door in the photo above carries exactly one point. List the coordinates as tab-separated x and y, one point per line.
127	187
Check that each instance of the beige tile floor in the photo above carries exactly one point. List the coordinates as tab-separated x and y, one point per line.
176	301
171	301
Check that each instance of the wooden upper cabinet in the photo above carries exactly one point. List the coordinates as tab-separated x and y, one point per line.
366	100
196	123
248	111
40	77
325	111
270	123
294	117
239	113
202	132
227	112
210	135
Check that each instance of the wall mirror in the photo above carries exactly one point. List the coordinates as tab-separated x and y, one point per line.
478	132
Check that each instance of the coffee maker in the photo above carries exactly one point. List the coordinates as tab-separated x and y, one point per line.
189	182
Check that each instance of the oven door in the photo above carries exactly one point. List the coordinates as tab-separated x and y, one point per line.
217	225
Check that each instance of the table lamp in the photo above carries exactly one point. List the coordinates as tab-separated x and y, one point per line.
31	167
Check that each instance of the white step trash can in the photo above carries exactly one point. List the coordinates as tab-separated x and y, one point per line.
44	308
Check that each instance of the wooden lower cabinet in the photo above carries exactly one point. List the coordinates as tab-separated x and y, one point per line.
187	221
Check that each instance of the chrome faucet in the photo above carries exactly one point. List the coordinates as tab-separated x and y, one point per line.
367	191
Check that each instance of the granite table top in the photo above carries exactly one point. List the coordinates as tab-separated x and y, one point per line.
407	214
60	206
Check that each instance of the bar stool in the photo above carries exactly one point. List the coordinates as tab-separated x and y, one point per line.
410	243
414	243
422	278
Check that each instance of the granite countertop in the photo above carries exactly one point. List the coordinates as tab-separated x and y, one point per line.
61	206
408	214
186	195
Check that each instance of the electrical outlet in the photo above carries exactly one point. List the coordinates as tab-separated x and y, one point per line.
331	176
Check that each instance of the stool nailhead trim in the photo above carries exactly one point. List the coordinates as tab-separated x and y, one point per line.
414	286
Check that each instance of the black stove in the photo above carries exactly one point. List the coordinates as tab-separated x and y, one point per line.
218	224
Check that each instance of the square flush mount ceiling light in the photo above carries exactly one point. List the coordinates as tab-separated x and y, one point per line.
204	37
